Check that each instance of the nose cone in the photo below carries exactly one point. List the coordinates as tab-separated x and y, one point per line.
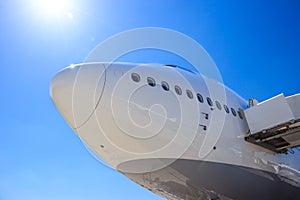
61	91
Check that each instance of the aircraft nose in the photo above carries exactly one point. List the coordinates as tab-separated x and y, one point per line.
61	91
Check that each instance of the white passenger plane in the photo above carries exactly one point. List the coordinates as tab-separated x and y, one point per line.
180	134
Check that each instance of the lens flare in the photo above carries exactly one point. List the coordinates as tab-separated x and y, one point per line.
54	8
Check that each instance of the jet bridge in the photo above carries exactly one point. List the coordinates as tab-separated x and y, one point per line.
275	123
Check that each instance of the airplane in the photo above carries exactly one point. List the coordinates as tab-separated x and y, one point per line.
180	134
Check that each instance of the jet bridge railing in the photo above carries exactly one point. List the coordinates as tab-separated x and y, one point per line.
275	123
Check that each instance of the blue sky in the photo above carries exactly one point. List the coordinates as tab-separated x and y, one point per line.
255	45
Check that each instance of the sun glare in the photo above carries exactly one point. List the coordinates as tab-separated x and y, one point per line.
55	8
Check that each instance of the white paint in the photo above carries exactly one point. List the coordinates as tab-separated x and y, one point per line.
122	120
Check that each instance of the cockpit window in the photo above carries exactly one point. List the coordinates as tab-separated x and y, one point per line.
209	101
151	81
200	98
165	85
135	77
178	90
189	94
177	66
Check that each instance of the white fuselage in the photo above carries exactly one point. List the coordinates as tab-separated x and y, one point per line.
169	130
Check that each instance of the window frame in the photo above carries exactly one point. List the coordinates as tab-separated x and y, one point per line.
233	111
239	111
165	86
153	83
226	108
200	98
218	104
135	75
189	94
178	90
209	101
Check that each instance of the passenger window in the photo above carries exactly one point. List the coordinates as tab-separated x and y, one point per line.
233	111
165	85
200	98
226	108
240	113
178	90
135	77
151	81
209	101
218	105
189	94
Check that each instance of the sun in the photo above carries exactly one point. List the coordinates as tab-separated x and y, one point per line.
54	8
